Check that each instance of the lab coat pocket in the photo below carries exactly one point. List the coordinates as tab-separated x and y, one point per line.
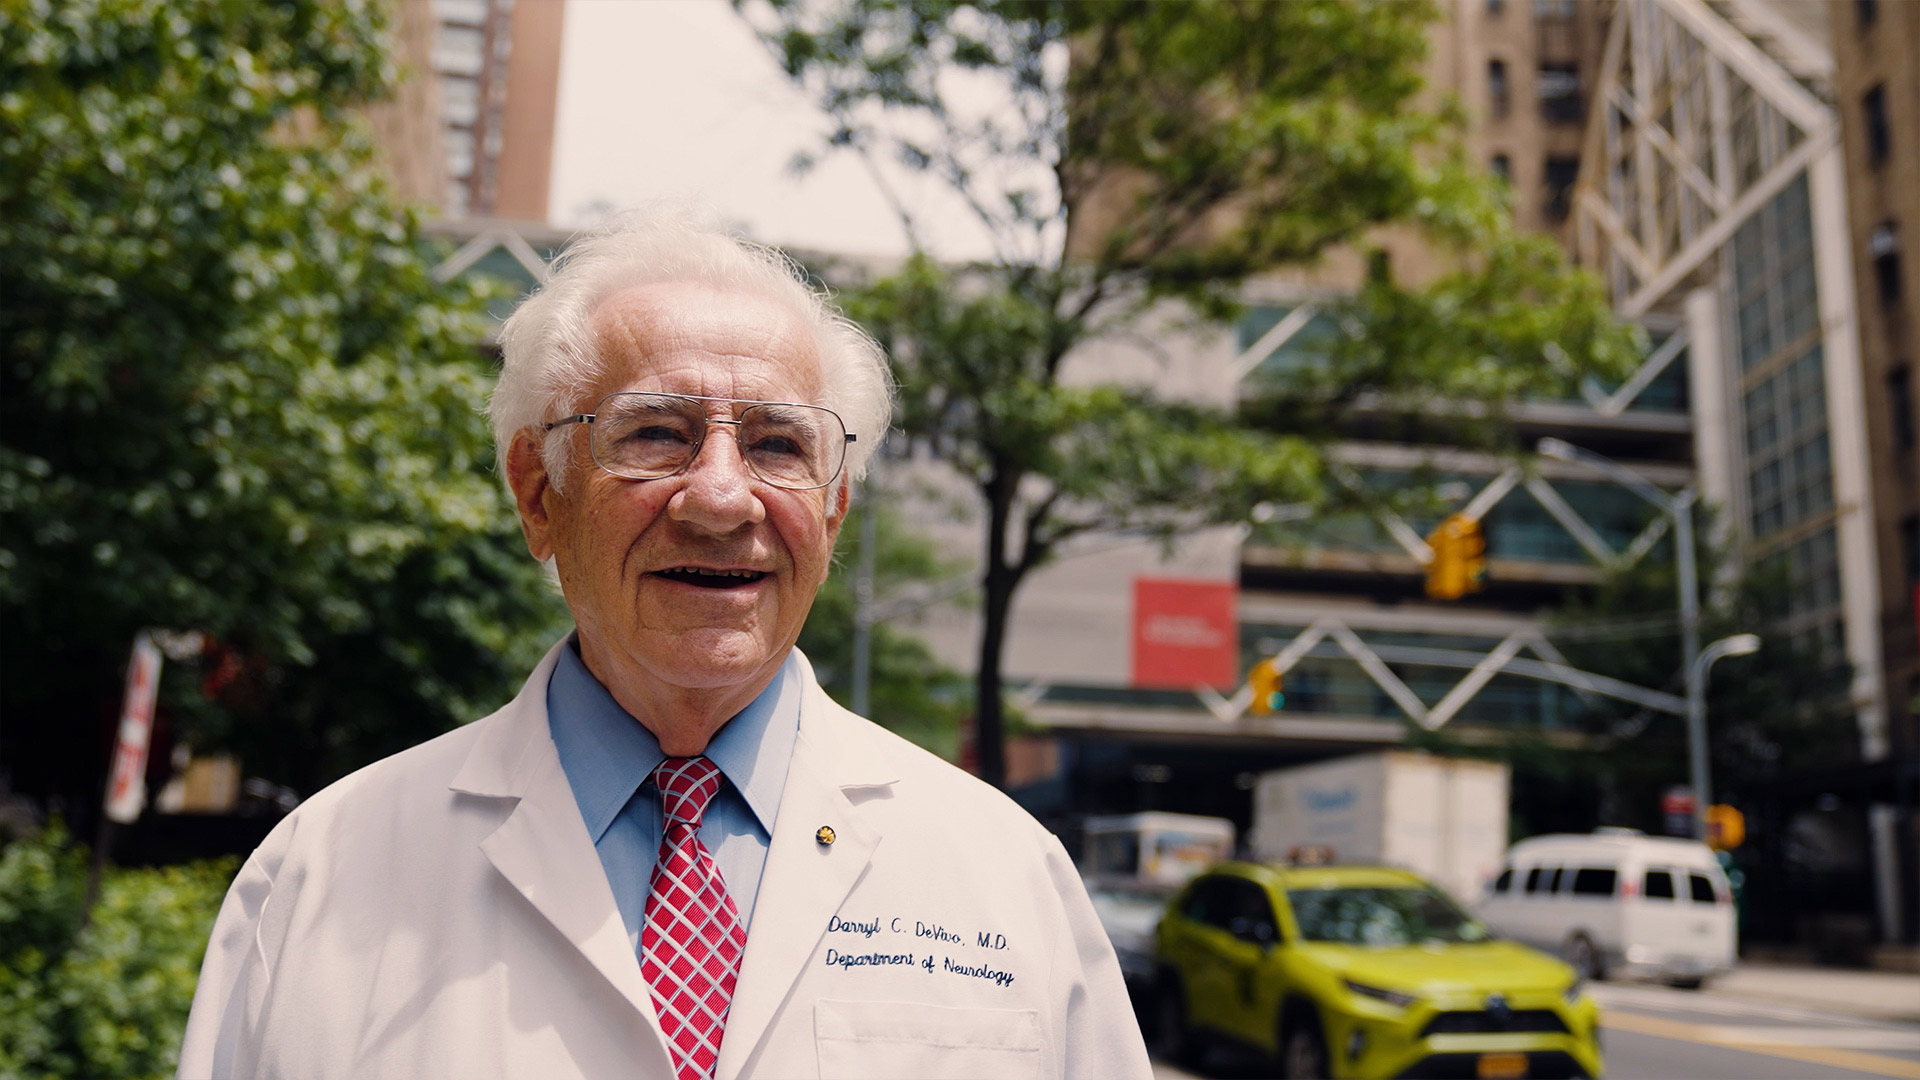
859	1039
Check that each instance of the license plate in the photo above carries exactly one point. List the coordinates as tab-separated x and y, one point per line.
1502	1066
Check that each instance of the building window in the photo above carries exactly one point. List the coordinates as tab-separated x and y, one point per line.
1503	167
1790	477
1900	400
1879	138
1866	13
1561	173
1559	88
1496	7
1499	95
1884	247
1548	10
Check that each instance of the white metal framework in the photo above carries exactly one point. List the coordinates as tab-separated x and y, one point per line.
1710	193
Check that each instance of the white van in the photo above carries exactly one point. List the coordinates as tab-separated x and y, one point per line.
1618	902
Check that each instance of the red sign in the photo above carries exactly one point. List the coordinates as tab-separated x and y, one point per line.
127	784
1185	634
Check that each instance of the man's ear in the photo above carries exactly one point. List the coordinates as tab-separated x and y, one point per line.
841	497
532	487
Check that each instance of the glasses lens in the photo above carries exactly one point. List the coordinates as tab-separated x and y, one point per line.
644	436
793	446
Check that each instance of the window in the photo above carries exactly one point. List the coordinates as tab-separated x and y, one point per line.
1561	173
1865	13
1208	903
1701	887
1884	247
1249	913
1554	886
1594	881
1503	167
1551	10
1533	879
1658	885
1499	94
1496	7
1879	138
1900	400
1504	881
1558	86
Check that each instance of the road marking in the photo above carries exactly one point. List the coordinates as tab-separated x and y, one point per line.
1740	1039
1695	1001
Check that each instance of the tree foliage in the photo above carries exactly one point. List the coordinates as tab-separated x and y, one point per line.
232	399
110	1000
1139	153
1768	714
910	690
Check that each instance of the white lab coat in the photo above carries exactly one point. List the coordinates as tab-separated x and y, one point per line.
444	913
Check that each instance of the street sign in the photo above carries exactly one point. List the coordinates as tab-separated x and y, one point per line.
1677	805
1185	633
127	784
1726	827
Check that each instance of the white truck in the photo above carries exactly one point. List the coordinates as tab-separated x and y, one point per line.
1443	818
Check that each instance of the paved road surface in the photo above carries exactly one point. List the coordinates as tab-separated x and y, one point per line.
1655	1033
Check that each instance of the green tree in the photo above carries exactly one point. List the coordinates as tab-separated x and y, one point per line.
110	1000
1773	712
233	400
910	690
1143	153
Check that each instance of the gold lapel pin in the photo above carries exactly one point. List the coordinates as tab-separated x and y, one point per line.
824	835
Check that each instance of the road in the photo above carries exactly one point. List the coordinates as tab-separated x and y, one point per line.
1655	1033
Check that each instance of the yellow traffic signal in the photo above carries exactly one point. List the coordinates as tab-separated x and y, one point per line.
1459	563
1265	680
1726	827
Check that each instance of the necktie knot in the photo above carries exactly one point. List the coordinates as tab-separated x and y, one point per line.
686	786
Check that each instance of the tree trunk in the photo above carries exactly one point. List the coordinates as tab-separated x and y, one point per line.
998	583
989	721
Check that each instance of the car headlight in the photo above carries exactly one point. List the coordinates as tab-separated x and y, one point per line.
1574	990
1391	997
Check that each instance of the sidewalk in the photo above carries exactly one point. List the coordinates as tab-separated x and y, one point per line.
1875	995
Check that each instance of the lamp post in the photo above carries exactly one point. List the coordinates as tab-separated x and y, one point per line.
1680	506
1737	645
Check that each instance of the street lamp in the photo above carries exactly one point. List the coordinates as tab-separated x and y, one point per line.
1737	645
1680	506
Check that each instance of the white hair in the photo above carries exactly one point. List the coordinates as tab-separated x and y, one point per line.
549	360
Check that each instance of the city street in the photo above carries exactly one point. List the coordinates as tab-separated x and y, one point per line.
1657	1033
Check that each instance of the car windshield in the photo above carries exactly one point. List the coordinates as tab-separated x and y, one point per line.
1381	916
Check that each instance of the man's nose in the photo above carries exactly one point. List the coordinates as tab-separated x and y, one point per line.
716	493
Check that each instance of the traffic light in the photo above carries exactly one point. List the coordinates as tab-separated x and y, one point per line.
1459	563
1265	680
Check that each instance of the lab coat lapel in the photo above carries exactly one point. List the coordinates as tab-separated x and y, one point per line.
543	850
805	881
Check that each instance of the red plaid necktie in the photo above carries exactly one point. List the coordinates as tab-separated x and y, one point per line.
690	948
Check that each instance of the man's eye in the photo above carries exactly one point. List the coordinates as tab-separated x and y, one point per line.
657	433
778	444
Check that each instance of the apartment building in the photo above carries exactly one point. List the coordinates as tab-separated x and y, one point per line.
470	131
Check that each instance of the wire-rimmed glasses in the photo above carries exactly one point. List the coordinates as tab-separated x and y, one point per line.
639	435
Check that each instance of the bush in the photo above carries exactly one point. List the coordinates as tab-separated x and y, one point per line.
110	1000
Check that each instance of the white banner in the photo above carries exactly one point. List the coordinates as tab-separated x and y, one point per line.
127	785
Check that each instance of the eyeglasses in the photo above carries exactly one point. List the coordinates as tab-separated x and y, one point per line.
643	436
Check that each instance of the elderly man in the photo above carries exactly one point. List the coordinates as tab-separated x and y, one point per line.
672	855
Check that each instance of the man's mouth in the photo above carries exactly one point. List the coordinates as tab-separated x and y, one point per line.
710	579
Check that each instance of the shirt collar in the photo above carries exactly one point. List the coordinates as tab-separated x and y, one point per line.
607	754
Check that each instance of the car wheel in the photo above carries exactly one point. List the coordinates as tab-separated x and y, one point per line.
1689	983
1303	1049
1583	957
1172	1031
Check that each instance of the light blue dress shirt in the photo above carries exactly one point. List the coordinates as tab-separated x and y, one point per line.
608	757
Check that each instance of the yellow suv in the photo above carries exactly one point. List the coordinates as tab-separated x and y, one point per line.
1347	971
